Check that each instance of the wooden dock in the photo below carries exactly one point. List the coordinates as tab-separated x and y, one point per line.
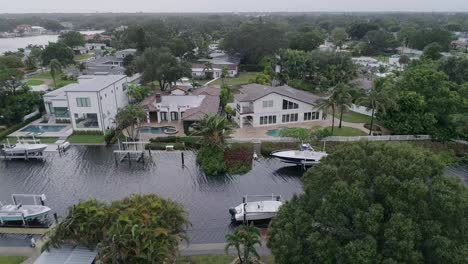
25	230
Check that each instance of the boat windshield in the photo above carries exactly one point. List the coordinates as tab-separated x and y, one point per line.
306	147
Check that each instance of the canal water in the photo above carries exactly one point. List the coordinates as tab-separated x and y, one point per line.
84	172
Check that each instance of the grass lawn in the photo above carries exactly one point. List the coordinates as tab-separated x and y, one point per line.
86	139
243	78
41	75
11	259
62	83
83	56
34	82
43	140
347	131
354	117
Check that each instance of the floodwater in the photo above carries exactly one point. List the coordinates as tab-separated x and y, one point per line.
13	44
84	172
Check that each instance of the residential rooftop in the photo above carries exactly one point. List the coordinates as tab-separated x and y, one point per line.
86	83
253	92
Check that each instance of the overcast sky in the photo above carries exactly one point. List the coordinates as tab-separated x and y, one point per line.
43	6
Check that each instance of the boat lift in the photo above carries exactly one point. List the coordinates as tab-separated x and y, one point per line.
24	156
16	198
130	151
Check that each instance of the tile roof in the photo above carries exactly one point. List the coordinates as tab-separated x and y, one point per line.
210	105
207	90
253	92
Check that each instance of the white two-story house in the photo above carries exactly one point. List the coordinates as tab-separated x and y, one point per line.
259	105
90	104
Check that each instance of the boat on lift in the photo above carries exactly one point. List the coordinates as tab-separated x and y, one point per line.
306	155
17	211
24	147
256	210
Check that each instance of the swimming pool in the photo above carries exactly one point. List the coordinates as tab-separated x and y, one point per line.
156	130
39	129
274	132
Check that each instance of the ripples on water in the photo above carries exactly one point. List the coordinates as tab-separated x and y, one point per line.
90	172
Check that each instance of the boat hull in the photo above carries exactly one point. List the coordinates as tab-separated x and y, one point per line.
308	158
27	212
255	211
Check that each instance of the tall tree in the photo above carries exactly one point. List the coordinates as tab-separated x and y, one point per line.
330	103
307	39
55	69
72	39
432	51
339	36
58	51
342	93
388	203
129	120
244	240
161	66
376	100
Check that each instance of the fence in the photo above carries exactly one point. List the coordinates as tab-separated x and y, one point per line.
379	138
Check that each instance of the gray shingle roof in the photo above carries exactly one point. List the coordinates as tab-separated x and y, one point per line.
253	92
210	105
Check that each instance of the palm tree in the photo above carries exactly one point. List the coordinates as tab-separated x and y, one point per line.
55	68
214	129
344	98
208	68
244	240
224	74
327	104
376	100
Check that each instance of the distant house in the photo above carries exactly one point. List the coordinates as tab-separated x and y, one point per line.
122	54
186	108
95	46
67	25
179	90
259	105
80	50
120	28
90	104
38	30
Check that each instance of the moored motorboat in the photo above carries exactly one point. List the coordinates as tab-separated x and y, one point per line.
305	156
256	210
24	149
24	212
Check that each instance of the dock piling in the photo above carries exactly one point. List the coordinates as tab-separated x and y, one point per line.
183	160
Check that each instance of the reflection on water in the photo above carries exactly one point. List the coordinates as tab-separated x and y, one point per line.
85	172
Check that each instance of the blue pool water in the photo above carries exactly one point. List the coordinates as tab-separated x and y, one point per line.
155	130
274	132
42	129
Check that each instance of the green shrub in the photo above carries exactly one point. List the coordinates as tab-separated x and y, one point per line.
162	146
238	158
268	147
88	132
250	68
302	85
109	136
211	160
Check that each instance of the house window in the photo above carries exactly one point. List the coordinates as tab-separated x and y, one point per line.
311	116
289	105
238	108
307	116
83	102
174	116
315	115
265	120
163	116
290	118
267	104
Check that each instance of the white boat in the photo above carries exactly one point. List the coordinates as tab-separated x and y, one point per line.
305	156
256	210
24	147
24	212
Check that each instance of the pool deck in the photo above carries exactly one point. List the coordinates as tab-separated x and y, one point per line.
147	136
64	133
261	132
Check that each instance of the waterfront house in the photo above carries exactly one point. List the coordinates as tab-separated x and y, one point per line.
122	54
90	104
259	105
186	108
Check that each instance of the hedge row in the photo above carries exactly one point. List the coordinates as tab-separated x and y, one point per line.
190	142
162	146
88	132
